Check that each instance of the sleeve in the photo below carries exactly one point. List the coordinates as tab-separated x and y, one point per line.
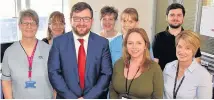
6	74
205	88
157	83
112	93
165	94
198	53
54	73
156	47
104	79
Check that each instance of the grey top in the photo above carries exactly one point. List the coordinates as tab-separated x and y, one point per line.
197	83
15	69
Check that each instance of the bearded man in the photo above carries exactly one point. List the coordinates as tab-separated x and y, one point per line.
163	46
79	64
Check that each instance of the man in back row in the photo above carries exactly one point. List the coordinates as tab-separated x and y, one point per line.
164	42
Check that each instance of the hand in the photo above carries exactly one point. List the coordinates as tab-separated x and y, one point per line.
54	94
81	98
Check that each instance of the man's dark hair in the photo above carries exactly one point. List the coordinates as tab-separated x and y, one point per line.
175	6
80	6
108	10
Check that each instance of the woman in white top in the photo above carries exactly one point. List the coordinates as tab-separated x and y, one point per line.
185	78
108	20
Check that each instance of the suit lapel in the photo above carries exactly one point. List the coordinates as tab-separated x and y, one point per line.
90	52
73	61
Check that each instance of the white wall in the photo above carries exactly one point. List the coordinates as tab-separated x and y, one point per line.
145	8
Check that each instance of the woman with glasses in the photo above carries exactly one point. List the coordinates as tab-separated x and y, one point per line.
24	67
56	26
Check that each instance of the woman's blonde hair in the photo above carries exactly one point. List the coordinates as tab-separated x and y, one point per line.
130	12
189	37
146	57
55	16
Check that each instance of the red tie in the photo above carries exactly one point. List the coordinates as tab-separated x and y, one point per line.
81	63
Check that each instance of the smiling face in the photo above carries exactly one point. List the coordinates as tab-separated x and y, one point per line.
28	27
184	51
82	22
108	22
127	22
175	18
57	28
136	45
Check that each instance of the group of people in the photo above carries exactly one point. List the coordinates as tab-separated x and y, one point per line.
81	64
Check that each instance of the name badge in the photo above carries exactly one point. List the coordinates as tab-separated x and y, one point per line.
30	84
124	98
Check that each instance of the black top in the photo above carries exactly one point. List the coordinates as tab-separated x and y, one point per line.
164	48
45	40
4	46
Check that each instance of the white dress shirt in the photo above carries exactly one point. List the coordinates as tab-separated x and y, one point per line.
77	43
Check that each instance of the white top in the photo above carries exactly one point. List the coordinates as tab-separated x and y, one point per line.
77	43
110	39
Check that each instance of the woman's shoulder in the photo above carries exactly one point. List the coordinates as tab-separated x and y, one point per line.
171	66
13	46
154	65
12	49
44	45
117	39
204	73
119	64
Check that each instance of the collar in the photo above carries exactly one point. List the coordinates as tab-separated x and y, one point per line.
191	68
76	37
167	29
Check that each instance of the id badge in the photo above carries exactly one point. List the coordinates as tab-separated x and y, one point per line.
124	98
30	84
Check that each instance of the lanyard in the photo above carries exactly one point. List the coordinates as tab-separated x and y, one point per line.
175	91
128	88
30	60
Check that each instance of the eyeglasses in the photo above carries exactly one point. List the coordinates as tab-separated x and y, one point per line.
57	24
78	19
29	23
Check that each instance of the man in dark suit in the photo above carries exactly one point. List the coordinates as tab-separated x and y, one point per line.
79	63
